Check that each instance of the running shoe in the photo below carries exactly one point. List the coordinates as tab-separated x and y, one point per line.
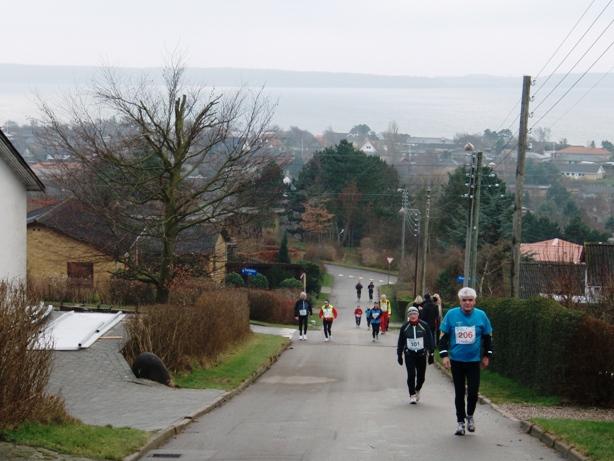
412	399
460	430
417	396
470	424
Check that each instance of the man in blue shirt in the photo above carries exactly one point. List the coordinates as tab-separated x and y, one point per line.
466	342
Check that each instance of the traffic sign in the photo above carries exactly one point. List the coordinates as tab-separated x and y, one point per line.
390	260
461	278
249	271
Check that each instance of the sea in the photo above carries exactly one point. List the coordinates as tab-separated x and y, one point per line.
579	116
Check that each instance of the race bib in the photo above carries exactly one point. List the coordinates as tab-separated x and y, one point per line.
375	315
384	308
357	316
302	312
415	344
465	335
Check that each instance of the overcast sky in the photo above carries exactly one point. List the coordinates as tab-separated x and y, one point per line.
387	37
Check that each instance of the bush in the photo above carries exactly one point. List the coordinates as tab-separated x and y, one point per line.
272	306
276	275
182	336
315	277
553	349
320	253
235	279
130	293
258	281
291	283
24	371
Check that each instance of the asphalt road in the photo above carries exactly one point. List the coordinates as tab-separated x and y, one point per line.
347	400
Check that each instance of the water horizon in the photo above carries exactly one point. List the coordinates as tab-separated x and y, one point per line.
580	118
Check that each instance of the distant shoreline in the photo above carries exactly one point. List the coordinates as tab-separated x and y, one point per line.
232	77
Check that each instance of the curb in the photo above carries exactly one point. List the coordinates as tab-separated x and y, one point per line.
550	440
163	435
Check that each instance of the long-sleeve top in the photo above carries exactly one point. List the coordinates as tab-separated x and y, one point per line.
302	308
328	312
465	334
415	339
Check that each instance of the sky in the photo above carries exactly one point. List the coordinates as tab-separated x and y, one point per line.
384	37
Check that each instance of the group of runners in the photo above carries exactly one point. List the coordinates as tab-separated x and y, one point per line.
465	345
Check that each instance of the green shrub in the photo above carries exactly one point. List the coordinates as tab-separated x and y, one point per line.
291	283
315	276
259	281
235	279
276	275
552	349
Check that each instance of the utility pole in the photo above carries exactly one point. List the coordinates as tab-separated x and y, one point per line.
425	235
403	212
473	273
468	239
522	152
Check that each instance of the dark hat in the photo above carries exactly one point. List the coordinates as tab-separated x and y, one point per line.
427	296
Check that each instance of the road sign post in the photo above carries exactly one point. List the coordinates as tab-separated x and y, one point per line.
389	259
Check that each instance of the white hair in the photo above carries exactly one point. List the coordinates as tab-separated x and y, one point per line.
467	292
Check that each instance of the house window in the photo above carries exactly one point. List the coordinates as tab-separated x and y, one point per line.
81	274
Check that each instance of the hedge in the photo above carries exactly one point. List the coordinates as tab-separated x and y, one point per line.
552	349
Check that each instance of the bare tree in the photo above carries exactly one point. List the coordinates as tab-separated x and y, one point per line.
157	161
394	143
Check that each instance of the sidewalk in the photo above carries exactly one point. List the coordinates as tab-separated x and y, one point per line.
100	389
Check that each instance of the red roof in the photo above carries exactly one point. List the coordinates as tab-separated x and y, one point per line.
584	151
555	250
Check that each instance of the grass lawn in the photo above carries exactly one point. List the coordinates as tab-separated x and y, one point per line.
236	366
593	438
100	442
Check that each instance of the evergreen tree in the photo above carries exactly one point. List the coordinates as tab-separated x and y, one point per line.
346	179
284	256
539	229
577	231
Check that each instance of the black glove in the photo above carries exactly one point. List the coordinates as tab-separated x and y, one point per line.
400	359
431	359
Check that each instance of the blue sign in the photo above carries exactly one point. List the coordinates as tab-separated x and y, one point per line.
249	271
461	279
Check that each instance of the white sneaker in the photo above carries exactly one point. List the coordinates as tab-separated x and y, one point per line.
460	430
305	337
412	399
470	424
417	396
326	340
373	340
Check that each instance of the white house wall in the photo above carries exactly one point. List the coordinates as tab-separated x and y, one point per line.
13	209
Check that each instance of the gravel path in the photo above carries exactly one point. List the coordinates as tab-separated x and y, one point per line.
525	412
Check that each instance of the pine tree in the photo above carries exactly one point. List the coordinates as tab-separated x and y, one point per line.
284	256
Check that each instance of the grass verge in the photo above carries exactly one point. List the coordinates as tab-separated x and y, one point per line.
99	442
236	366
593	438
